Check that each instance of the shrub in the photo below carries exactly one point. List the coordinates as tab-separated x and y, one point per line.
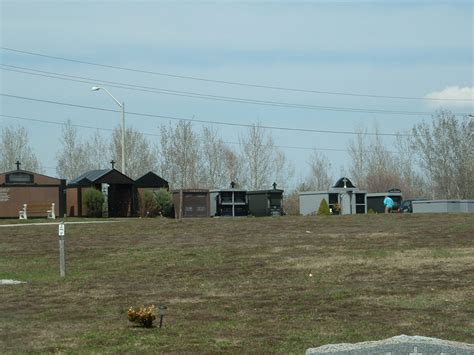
323	208
164	201
149	205
143	316
94	200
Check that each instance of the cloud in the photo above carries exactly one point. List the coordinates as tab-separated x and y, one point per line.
450	94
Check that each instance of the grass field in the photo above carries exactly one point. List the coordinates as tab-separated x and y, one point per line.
238	285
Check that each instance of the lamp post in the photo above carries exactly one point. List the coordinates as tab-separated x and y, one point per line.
162	308
122	106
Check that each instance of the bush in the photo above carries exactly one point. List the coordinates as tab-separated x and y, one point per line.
323	208
149	205
143	316
94	201
164	201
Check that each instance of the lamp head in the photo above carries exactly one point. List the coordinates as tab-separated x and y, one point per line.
162	309
95	88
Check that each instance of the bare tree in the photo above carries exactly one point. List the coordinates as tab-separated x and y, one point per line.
180	155
359	159
140	155
291	202
98	151
445	153
377	169
73	159
14	146
381	169
284	169
320	177
412	182
262	162
373	167
234	167
215	170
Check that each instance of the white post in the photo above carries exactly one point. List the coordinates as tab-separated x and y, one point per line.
62	258
233	203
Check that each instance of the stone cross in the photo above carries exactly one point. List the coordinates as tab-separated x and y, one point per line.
345	182
113	163
274	186
18	165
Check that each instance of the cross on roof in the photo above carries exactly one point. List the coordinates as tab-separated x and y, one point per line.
113	163
345	182
18	165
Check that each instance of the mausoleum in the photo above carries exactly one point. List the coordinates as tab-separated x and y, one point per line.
117	188
35	194
342	198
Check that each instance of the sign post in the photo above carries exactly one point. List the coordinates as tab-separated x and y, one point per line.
62	259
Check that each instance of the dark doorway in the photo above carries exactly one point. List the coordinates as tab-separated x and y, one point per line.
120	198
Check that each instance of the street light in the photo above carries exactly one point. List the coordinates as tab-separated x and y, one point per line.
122	106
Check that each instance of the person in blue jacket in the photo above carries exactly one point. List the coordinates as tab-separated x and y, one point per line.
388	203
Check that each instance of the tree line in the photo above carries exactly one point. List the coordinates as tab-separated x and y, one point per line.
184	156
435	160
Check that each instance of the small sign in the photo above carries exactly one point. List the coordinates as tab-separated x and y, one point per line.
4	194
61	229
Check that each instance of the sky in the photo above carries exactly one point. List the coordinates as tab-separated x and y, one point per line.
392	63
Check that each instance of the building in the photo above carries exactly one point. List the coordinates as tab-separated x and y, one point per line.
228	202
191	203
342	198
443	206
37	191
148	182
117	188
375	200
265	202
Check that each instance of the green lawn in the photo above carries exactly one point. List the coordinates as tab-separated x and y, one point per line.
238	285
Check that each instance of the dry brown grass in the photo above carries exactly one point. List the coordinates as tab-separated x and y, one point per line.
238	285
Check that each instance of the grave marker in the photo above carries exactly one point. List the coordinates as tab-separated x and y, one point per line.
401	344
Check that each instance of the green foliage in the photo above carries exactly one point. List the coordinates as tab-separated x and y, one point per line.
149	205
94	200
324	208
164	200
370	211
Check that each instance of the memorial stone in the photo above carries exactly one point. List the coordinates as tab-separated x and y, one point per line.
398	345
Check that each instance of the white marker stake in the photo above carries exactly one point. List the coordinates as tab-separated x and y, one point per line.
62	260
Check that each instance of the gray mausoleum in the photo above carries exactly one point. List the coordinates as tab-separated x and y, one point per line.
342	198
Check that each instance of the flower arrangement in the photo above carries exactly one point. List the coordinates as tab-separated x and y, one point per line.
143	316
